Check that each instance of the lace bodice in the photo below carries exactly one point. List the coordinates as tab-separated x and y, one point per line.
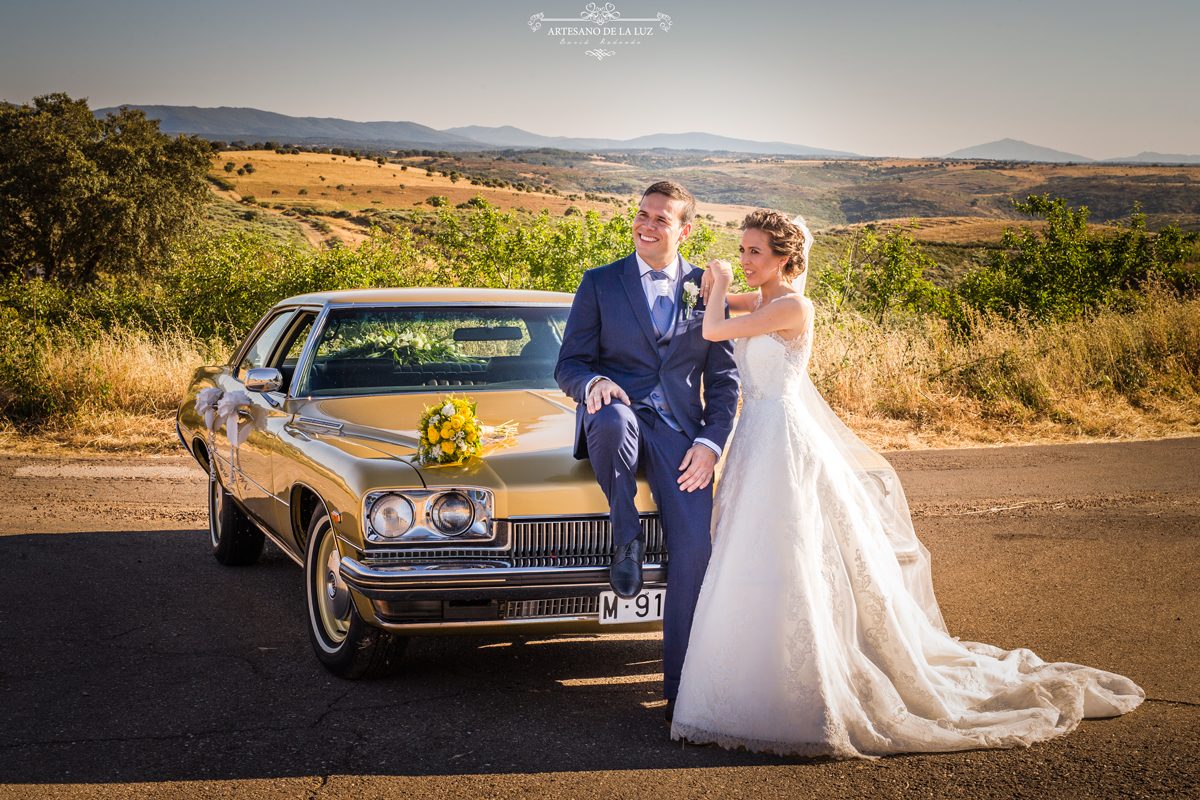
771	366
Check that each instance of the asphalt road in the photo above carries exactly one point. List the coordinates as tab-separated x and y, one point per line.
133	665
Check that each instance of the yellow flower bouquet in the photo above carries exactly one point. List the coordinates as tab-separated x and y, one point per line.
450	433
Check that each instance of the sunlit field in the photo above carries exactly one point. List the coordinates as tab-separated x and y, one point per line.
335	182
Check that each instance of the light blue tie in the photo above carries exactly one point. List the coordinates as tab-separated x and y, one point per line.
660	311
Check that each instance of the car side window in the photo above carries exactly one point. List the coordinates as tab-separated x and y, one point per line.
291	347
260	350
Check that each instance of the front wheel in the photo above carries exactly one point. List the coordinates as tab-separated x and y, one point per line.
345	644
236	542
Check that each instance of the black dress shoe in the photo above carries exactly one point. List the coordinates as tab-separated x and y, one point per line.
670	711
625	574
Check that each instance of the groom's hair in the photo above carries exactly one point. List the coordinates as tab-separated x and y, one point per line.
674	191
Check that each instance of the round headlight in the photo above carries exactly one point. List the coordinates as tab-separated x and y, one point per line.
452	513
391	516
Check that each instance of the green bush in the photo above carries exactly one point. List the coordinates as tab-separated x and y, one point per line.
498	249
879	275
223	285
47	305
1070	267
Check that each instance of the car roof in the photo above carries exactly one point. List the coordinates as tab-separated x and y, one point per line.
430	295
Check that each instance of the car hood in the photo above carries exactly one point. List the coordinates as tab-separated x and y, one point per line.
535	475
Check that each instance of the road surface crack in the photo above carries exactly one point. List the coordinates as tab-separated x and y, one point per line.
1172	702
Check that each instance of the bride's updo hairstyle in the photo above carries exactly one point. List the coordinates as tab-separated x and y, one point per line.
789	238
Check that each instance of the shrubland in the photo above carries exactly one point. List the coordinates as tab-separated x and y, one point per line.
72	359
1108	346
1061	330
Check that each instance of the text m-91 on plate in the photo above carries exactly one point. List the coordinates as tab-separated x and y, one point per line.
645	607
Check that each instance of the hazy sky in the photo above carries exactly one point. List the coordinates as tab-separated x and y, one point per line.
923	77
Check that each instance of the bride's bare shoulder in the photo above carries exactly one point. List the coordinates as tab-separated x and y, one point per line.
796	303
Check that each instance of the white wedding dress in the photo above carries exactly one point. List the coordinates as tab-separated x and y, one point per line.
817	632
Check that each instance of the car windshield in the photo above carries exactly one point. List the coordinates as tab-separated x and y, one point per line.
409	349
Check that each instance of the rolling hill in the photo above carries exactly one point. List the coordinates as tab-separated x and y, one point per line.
1016	150
1154	158
253	124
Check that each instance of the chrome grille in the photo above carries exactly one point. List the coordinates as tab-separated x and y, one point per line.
558	607
585	542
384	557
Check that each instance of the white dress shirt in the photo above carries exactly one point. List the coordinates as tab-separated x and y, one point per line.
651	286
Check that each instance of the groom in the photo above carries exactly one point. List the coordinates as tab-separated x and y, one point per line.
634	359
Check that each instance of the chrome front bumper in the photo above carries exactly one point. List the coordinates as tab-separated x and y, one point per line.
483	580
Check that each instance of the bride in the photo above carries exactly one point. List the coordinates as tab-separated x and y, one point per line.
817	631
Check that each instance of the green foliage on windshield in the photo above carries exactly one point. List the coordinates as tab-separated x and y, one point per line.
402	344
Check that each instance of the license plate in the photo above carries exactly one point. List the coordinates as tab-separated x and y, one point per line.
646	607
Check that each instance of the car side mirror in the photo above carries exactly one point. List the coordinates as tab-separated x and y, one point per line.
263	379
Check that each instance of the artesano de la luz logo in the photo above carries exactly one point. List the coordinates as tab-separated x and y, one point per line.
598	27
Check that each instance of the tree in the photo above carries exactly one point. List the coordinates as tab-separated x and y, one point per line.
82	197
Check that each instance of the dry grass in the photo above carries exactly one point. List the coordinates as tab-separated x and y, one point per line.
1113	377
124	386
365	182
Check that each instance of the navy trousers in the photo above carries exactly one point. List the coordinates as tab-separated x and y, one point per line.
619	440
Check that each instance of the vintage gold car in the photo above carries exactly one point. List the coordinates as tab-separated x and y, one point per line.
333	387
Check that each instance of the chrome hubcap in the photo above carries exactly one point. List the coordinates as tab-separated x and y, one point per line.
337	594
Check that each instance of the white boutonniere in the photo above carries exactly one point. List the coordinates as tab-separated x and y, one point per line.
691	292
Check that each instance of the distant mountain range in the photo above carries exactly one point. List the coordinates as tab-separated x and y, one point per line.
509	136
1016	150
251	124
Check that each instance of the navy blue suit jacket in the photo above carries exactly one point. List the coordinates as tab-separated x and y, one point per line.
609	332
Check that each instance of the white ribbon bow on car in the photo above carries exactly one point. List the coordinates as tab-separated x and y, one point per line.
206	405
224	408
